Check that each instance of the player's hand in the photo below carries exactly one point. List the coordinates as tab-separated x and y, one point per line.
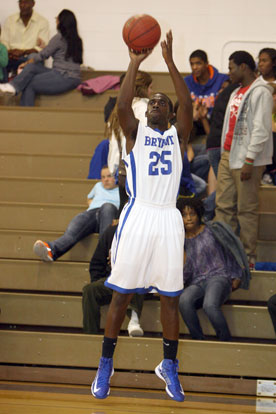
246	172
138	57
166	46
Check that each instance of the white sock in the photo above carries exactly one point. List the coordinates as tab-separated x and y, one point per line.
134	317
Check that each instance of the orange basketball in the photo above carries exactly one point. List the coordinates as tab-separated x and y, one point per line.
141	32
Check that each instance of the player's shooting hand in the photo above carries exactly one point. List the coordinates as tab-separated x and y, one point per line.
166	46
138	57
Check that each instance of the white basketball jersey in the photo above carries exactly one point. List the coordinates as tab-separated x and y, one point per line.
154	166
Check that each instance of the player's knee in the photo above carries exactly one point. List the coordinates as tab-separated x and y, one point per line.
120	300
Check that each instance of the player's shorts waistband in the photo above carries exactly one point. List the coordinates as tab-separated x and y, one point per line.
138	201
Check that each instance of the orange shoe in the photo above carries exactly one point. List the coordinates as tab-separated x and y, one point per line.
43	250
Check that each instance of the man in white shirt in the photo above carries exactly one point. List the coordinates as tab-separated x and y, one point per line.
24	33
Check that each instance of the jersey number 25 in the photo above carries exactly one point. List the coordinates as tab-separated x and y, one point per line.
160	164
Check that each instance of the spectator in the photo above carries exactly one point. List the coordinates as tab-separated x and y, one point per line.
246	149
3	61
24	33
204	83
215	265
96	294
117	141
267	64
267	69
66	50
272	310
103	201
213	126
109	151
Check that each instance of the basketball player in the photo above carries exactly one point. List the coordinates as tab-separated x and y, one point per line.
147	249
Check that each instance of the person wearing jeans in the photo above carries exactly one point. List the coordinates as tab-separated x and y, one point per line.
103	202
36	79
66	50
209	295
211	271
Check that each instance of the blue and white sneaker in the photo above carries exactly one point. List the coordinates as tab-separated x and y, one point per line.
100	386
167	371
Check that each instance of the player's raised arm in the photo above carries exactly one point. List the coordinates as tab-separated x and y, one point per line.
184	116
127	120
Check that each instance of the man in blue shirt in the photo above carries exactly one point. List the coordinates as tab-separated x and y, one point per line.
205	80
103	201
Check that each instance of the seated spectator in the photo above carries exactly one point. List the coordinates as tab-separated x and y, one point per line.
204	83
96	294
24	33
103	201
271	304
109	150
215	265
66	50
117	141
98	159
3	61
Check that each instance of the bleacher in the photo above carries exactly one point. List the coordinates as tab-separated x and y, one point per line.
45	153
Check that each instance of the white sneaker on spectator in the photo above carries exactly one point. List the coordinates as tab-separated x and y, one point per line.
266	180
7	89
134	328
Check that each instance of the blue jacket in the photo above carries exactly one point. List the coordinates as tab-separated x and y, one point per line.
208	92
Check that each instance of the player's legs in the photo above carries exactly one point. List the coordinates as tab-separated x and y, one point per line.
116	313
167	369
170	317
115	316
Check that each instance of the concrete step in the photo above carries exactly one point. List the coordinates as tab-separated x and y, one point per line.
45	142
45	165
18	244
61	276
51	119
44	190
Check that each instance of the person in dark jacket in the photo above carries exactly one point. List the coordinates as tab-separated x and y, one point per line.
272	310
215	265
95	294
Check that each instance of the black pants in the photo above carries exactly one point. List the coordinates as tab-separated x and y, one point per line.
271	304
95	295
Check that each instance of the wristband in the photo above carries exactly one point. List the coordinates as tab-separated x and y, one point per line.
249	162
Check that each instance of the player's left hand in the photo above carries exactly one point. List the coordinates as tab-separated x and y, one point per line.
246	172
166	46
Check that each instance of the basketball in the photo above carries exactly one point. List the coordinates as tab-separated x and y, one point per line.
141	32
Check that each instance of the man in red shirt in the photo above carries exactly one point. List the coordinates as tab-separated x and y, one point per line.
246	149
